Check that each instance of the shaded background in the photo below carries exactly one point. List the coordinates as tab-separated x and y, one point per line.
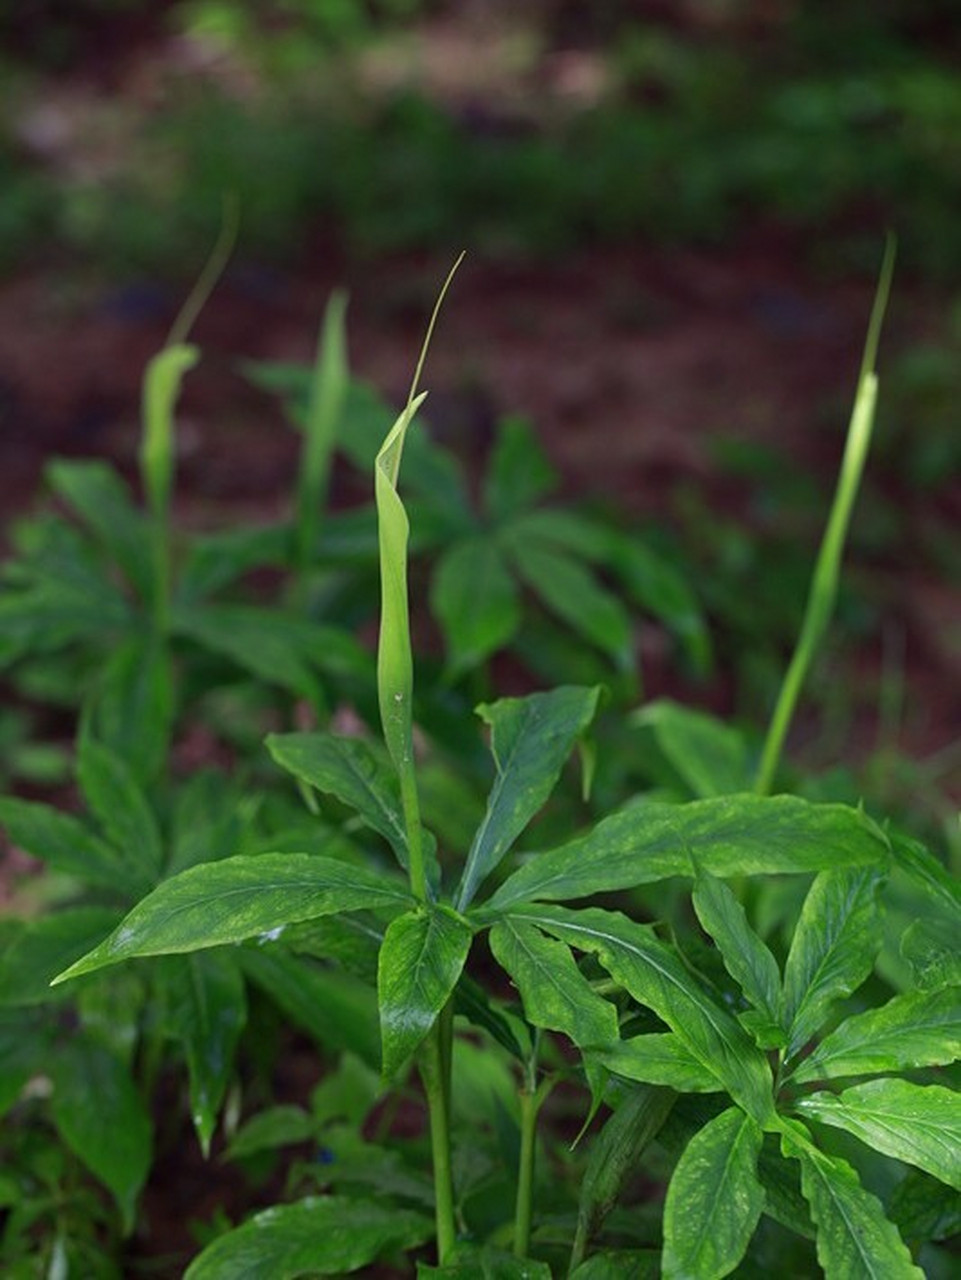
674	214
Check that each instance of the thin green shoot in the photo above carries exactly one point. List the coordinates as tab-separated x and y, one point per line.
824	584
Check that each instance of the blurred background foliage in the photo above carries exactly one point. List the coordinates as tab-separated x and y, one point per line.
532	129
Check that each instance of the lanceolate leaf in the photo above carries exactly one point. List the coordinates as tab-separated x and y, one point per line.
555	993
660	1058
648	841
41	948
321	1235
855	1241
207	1010
65	844
115	796
484	1262
714	1199
348	769
925	1209
709	756
833	949
745	956
102	500
654	975
421	958
475	599
916	1029
919	1124
238	898
101	1117
530	739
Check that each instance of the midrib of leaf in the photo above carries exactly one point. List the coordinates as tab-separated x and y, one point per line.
850	1226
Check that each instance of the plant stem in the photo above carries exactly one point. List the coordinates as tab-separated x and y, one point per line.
415	836
824	583
435	1062
525	1174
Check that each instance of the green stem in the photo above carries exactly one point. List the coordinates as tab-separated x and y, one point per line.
435	1063
415	836
525	1174
824	583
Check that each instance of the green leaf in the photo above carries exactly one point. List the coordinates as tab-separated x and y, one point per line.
133	711
215	560
930	948
620	1264
236	899
335	1008
915	1029
206	1012
924	1209
518	474
277	1127
660	1058
919	1124
745	956
833	948
422	956
328	393
326	1234
530	740
475	599
41	948
102	1119
102	500
714	1199
119	804
709	755
655	976
927	873
349	769
64	843
555	993
395	664
615	1154
25	1049
573	593
648	841
855	1241
484	1262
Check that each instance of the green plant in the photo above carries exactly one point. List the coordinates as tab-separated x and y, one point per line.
702	1041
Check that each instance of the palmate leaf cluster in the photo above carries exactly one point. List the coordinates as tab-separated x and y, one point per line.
724	982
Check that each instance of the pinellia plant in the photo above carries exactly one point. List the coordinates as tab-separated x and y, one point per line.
771	1089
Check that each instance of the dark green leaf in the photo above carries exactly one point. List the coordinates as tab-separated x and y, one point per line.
530	739
709	755
916	1029
471	1001
422	956
555	993
660	1058
655	976
928	874
475	599
102	500
215	560
620	1264
118	801
615	1154
518	473
572	592
239	898
133	711
64	844
338	1010
325	1234
855	1241
714	1199
102	1118
207	1010
745	956
484	1262
833	949
24	1051
208	820
349	769
930	947
924	1209
648	841
277	1127
42	948
919	1124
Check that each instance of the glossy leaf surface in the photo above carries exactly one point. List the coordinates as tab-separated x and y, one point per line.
648	841
919	1124
530	740
714	1199
915	1029
421	958
239	898
745	956
660	1058
833	948
322	1234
